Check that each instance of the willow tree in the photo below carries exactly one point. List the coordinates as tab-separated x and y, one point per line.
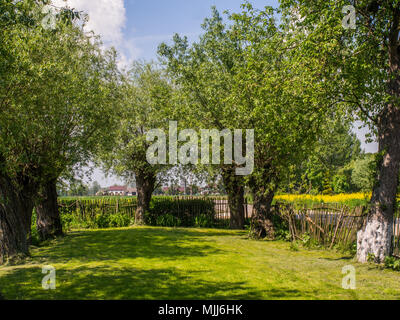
55	93
83	95
203	73
242	75
146	99
362	42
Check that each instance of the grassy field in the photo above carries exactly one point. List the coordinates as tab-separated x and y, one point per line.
165	263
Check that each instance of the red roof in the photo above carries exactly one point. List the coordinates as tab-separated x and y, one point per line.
117	188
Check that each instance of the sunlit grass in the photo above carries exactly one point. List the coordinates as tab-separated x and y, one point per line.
165	263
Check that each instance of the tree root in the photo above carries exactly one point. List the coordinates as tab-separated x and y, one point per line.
262	228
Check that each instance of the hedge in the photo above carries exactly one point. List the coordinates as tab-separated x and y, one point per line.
120	212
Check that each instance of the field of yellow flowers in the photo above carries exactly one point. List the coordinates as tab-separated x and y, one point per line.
350	199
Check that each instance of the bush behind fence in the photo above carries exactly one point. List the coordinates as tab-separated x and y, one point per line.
120	212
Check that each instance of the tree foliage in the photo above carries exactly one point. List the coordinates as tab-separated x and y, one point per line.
57	89
244	75
365	78
146	101
328	167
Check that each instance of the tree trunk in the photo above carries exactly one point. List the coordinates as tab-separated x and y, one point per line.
145	184
375	239
48	220
234	186
15	220
262	225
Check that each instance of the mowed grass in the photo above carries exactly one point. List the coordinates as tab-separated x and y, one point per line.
167	263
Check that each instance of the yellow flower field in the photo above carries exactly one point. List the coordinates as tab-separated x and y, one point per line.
338	198
350	199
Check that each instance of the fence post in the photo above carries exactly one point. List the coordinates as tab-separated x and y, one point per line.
246	212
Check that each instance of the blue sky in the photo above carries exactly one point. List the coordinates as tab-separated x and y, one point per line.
151	22
136	28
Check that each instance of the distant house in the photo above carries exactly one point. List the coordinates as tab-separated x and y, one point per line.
174	190
117	191
131	192
165	190
181	190
210	190
102	192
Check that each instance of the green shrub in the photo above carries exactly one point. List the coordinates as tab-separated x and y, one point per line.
281	227
168	220
67	221
169	212
204	221
35	239
102	221
119	221
163	211
392	263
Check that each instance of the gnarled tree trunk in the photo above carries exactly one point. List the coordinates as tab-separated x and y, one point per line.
145	184
234	186
375	239
262	225
15	220
48	220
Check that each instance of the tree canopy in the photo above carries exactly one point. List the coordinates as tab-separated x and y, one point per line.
244	75
56	92
145	103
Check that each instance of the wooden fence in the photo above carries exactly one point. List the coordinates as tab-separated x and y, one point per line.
331	226
328	226
222	211
89	208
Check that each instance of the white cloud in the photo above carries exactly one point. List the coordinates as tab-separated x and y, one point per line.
128	53
107	18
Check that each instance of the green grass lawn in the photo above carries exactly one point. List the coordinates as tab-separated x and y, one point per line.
166	263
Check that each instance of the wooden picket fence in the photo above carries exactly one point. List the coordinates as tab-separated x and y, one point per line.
89	208
328	226
222	211
396	235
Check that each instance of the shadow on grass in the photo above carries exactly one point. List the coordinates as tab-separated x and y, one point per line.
344	258
155	263
91	267
149	243
136	284
127	284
